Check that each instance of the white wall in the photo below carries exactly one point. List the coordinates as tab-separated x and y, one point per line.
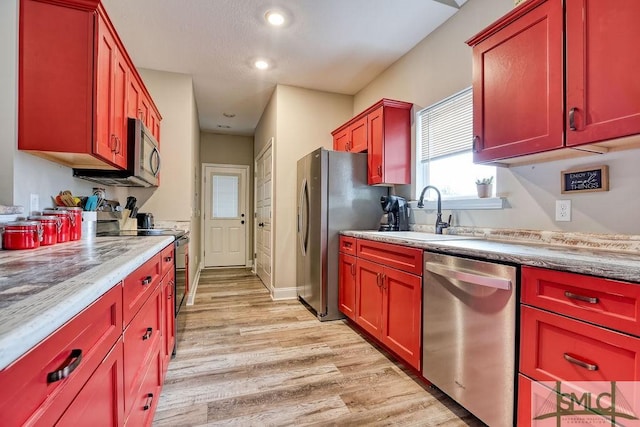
440	66
173	95
305	119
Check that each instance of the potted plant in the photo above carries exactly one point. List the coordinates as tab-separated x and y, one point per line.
484	187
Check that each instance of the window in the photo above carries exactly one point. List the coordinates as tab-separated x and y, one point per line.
444	142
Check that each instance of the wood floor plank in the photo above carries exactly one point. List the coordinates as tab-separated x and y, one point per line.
245	360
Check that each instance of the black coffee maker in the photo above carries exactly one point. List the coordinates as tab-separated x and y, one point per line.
396	214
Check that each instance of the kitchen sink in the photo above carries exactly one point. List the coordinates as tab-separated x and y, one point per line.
416	235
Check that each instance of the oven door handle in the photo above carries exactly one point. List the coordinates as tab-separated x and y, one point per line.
468	276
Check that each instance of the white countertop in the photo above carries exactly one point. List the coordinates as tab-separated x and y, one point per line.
595	262
42	289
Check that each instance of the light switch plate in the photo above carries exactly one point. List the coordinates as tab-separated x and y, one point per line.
563	210
34	203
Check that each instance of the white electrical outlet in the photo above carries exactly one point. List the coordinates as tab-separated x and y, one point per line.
34	203
563	210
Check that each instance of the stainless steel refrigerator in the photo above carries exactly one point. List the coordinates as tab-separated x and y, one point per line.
333	195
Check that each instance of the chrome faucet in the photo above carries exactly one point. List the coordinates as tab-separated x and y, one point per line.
440	224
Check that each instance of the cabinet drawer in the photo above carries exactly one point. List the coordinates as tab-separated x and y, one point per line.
396	256
608	303
554	347
28	392
139	285
145	398
348	245
141	338
168	259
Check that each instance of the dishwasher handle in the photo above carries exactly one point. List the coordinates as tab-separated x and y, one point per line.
468	277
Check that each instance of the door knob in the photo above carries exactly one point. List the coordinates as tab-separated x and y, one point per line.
242	222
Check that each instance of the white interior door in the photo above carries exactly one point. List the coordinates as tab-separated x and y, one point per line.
225	216
263	193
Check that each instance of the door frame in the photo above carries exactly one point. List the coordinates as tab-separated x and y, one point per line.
268	145
247	259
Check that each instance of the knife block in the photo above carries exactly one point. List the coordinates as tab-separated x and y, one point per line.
127	223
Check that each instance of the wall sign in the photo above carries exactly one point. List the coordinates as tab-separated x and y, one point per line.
585	180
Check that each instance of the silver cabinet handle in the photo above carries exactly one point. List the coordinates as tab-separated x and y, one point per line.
468	277
581	363
590	300
71	363
476	144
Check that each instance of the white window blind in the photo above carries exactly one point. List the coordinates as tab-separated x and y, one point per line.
446	128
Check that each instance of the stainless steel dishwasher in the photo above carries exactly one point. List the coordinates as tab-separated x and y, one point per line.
469	323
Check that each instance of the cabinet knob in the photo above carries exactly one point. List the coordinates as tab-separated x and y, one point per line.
147	334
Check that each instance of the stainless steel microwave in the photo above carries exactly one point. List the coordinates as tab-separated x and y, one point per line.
143	161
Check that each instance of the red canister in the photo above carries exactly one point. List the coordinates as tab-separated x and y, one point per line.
75	226
65	223
21	235
50	226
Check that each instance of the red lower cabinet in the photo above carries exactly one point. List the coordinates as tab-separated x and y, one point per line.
144	399
37	388
168	318
568	343
142	338
388	301
101	400
347	285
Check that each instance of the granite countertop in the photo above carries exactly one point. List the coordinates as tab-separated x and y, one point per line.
42	289
591	261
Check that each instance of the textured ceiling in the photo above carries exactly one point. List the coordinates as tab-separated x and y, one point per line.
329	45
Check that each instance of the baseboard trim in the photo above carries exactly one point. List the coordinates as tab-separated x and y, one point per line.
279	294
196	278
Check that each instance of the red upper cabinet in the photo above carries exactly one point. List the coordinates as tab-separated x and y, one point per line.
518	83
521	64
384	131
111	92
603	91
75	83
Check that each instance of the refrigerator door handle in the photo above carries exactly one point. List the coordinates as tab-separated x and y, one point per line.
303	217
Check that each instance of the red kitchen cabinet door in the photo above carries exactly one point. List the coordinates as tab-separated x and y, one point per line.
358	136
29	395
603	91
134	95
557	348
347	285
142	338
105	142
518	85
369	297
341	139
121	71
111	98
402	315
376	148
144	110
144	400
101	400
186	271
155	125
168	320
389	143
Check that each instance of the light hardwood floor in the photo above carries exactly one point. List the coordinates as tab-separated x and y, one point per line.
245	360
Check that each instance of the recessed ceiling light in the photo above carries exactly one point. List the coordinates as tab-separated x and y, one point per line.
261	64
274	18
229	115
